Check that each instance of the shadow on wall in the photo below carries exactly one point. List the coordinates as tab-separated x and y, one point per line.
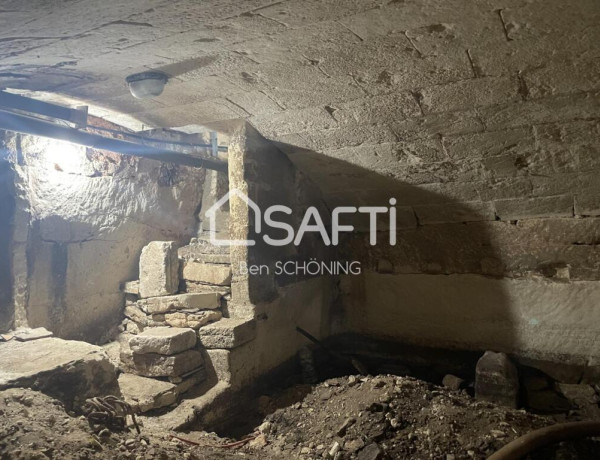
438	286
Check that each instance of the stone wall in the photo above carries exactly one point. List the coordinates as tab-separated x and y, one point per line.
279	303
7	204
483	122
82	219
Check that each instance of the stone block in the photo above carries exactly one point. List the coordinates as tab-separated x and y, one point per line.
529	208
587	205
135	314
145	394
562	78
227	333
131	287
487	144
67	370
559	108
469	93
454	212
190	301
234	366
194	320
453	382
497	380
163	341
200	272
159	269
154	365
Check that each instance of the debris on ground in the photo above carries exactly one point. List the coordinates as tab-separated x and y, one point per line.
345	418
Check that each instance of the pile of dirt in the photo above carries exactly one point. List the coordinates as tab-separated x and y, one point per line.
390	417
34	426
363	418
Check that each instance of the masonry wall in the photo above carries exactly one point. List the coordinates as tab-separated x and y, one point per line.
7	204
483	122
82	218
278	302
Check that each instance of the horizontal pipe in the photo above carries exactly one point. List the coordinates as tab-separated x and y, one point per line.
27	125
15	101
222	148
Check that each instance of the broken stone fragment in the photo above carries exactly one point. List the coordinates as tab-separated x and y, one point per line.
193	320
371	452
67	370
131	287
195	301
135	314
497	380
145	394
26	335
200	272
159	269
163	341
227	333
580	395
155	365
452	382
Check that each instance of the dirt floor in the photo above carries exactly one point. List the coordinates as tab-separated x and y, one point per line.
365	418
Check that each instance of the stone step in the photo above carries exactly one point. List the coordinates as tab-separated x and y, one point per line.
205	300
227	333
183	318
224	259
198	247
145	394
207	273
155	365
67	370
163	341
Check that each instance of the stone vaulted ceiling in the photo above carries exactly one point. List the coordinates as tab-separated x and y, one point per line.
443	94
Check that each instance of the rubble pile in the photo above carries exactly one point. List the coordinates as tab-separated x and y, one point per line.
389	417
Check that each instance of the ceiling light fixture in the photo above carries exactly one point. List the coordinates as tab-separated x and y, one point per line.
146	85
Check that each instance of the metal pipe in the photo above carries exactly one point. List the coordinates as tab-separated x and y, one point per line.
15	101
27	125
552	434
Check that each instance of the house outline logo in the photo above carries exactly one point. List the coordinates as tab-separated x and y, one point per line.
211	214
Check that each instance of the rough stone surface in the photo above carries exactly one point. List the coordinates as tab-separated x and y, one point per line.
231	366
193	320
438	103
131	287
159	269
190	301
227	333
87	220
67	370
453	382
497	380
145	394
163	341
154	365
201	272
